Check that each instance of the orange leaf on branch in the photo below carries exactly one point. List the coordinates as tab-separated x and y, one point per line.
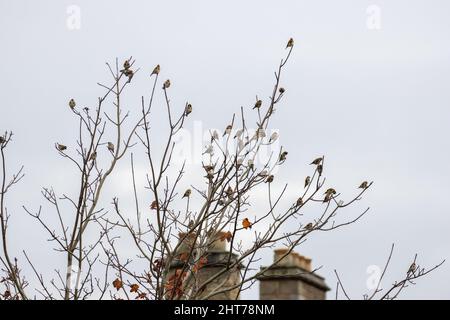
142	296
226	236
134	287
246	223
117	284
200	264
174	285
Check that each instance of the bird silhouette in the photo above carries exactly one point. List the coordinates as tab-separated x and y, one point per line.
110	147
273	137
93	156
363	185
72	104
257	104
156	70
166	84
227	130
290	43
187	193
307	181
188	109
316	161
283	156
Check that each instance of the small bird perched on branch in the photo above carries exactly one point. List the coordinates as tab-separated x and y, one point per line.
214	136
210	174
238	134
166	84
317	161
60	147
290	43
188	109
72	104
330	191
229	191
260	133
270	179
129	73
320	169
309	226
156	70
299	202
227	130
187	193
327	197
2	139
93	156
110	147
126	65
273	137
257	104
251	164
364	185
208	167
307	181
412	268
283	156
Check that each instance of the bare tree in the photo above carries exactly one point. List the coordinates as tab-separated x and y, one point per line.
171	244
14	284
413	273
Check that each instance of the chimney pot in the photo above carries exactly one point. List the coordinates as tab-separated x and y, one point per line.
291	278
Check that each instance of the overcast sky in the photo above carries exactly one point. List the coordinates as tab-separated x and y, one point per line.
368	86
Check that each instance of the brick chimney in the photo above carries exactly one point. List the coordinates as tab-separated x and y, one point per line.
217	259
291	279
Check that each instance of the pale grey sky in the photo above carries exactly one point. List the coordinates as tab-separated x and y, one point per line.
374	101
